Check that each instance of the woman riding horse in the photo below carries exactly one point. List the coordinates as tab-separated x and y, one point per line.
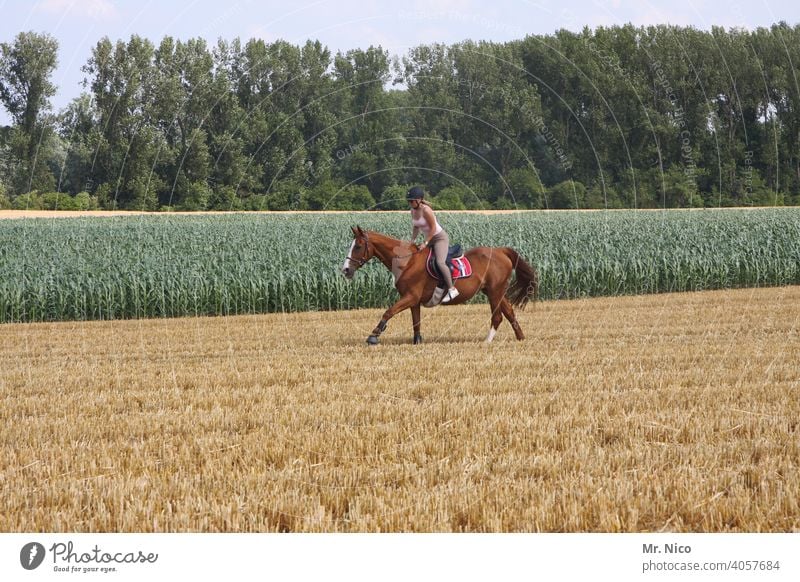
491	273
423	219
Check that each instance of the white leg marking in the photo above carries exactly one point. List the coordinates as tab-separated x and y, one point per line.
490	337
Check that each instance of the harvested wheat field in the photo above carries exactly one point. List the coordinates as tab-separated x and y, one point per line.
652	413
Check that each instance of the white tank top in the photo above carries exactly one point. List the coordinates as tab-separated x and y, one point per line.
422	224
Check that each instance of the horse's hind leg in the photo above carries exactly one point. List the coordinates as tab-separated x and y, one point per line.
508	311
495	302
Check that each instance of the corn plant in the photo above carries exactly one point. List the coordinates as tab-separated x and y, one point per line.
171	266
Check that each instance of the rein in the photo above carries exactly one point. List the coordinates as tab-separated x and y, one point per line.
409	255
362	262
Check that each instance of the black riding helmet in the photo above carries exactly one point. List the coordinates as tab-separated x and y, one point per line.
415	193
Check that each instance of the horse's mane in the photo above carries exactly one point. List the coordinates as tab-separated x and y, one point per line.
386	239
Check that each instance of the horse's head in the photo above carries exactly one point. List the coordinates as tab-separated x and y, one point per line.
360	252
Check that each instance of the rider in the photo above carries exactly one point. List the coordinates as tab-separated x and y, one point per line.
423	219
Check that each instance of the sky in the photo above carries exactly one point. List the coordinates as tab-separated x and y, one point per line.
346	24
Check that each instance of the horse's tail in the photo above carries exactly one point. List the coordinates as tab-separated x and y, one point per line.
526	286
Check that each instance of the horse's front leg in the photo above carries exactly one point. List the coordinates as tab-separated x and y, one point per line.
416	323
405	302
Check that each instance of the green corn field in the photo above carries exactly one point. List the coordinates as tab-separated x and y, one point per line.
171	266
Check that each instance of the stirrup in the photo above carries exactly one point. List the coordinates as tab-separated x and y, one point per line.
450	295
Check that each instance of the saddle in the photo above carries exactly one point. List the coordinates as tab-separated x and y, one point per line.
458	264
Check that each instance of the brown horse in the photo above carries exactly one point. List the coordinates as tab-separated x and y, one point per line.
491	273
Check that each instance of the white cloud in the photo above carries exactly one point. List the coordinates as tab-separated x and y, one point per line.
95	9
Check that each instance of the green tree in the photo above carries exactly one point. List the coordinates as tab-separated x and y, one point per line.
368	128
183	99
644	116
567	194
76	123
26	66
393	198
525	188
128	150
449	198
431	116
500	110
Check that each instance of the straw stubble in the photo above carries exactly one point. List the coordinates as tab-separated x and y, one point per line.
666	412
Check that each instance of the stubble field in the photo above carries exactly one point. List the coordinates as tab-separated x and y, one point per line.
675	412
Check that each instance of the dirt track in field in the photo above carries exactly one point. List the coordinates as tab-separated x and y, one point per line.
12	214
656	413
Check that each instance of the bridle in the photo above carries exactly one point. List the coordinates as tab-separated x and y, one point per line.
362	262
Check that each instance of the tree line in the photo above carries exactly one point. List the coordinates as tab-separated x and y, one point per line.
619	117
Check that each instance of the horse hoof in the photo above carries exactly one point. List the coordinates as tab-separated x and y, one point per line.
417	339
372	340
